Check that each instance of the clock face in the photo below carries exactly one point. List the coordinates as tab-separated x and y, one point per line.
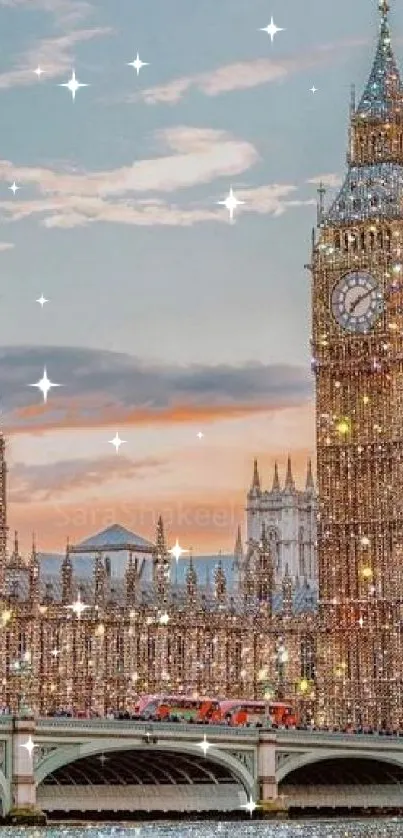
357	302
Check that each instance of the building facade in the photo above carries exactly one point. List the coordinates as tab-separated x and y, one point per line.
357	343
289	517
95	644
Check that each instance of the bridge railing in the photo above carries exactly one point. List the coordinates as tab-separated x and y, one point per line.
282	735
148	727
306	736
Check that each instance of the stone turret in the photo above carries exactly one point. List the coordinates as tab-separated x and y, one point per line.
67	577
99	573
161	566
220	584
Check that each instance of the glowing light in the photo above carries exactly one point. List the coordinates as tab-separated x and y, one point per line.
343	427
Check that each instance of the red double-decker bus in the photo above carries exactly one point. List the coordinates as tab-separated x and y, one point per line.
178	707
239	712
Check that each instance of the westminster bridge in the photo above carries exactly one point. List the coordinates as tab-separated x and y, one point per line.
63	765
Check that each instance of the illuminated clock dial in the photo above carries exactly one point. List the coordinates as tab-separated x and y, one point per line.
357	302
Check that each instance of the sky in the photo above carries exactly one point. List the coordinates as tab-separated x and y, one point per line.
164	320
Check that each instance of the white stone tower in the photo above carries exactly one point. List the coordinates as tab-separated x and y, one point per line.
289	517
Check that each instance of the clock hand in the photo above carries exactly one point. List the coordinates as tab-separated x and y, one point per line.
359	300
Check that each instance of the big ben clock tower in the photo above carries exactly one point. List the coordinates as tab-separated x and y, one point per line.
357	343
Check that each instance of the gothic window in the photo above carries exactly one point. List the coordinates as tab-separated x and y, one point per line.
373	146
308	658
151	652
372	240
401	143
14	589
345	243
380	239
356	205
237	660
387	238
337	242
119	647
362	240
342	206
21	644
374	201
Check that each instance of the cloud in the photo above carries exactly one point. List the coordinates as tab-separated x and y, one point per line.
197	156
6	245
243	75
54	55
106	388
41	483
63	11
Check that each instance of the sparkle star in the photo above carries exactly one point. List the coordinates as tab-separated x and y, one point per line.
231	203
176	551
55	653
250	806
200	435
39	72
272	29
42	300
29	745
361	622
14	188
73	85
44	385
77	607
204	745
138	64
313	89
116	442
164	619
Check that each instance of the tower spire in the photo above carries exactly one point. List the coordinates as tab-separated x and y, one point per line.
256	479
383	96
309	485
375	139
276	480
238	549
384	9
289	484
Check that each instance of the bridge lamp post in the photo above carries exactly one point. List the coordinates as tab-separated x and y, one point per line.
282	660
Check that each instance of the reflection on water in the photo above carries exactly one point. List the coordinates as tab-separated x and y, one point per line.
380	828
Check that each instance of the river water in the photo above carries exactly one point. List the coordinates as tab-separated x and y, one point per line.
379	828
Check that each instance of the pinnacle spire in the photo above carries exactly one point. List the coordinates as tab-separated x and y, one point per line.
276	480
289	484
238	549
309	485
256	478
384	9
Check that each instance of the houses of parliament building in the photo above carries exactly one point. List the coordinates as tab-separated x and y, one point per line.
312	609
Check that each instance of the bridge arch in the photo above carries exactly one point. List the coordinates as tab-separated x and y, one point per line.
64	755
313	757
